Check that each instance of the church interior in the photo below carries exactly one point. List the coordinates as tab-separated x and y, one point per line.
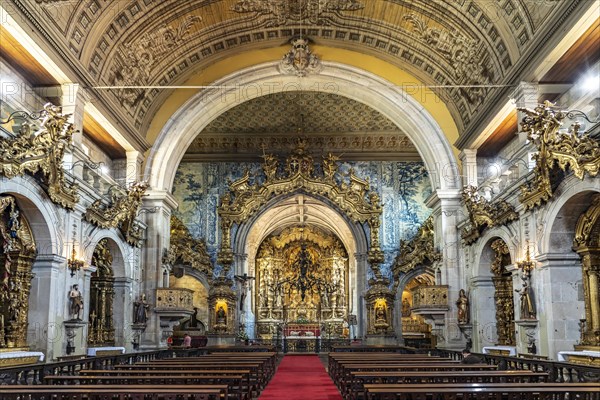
300	175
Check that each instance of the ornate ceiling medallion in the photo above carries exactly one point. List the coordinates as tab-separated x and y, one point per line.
300	61
483	214
40	150
281	12
120	213
418	251
183	248
572	149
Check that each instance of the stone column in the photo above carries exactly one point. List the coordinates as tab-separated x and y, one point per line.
468	158
451	272
45	331
559	307
158	235
360	285
123	311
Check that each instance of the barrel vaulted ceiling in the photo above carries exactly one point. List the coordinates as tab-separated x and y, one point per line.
460	48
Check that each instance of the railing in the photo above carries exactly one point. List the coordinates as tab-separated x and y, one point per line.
558	371
175	299
34	374
430	296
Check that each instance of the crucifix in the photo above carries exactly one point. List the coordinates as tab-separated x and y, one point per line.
243	280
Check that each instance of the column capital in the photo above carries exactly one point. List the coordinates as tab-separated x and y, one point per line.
154	196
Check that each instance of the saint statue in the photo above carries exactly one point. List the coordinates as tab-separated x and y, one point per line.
405	308
463	307
76	302
380	313
140	310
221	316
527	308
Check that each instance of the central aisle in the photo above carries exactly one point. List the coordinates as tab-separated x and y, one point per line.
301	378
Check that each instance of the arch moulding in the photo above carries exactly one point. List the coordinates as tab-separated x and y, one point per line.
356	84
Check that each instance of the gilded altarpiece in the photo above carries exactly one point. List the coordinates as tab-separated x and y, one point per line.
503	295
101	329
302	280
587	245
17	253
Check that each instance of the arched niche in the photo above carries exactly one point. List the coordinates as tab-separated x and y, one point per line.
562	303
45	221
416	331
491	296
283	212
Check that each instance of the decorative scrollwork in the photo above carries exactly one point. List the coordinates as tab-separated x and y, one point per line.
568	150
120	213
418	251
483	214
187	250
41	151
352	196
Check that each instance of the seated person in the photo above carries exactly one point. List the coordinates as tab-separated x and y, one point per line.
469	358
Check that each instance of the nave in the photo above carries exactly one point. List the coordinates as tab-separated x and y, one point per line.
348	372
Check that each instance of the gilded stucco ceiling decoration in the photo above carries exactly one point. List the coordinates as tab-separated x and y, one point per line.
329	121
442	43
280	12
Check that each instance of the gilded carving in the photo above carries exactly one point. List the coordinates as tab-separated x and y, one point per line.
120	213
587	244
101	330
430	296
41	151
300	61
351	195
503	294
570	150
301	278
187	250
483	214
418	251
16	258
281	12
380	311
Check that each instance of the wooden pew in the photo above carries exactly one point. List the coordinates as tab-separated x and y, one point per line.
505	391
121	392
343	377
251	384
234	383
360	379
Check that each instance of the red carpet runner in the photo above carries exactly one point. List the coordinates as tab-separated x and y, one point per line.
301	378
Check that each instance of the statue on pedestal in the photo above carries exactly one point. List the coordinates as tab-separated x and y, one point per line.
527	308
463	307
221	316
76	303
140	310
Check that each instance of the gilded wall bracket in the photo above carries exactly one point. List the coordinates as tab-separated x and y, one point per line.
187	250
418	251
484	214
120	213
567	150
38	148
